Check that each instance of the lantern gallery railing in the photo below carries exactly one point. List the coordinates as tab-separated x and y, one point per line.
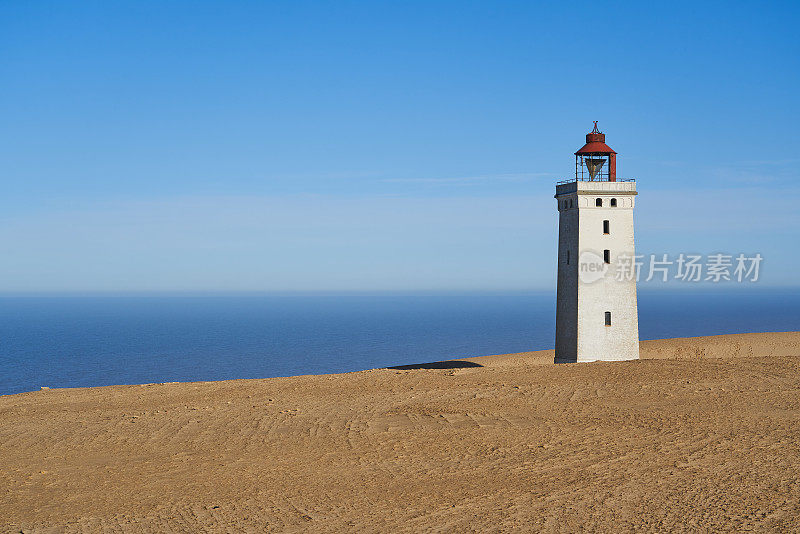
571	180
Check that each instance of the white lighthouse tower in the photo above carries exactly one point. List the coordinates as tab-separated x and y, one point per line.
596	311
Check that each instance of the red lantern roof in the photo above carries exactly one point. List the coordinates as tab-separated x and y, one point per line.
595	143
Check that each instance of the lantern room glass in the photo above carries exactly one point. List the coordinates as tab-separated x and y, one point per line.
591	167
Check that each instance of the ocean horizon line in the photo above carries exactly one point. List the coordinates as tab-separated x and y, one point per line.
643	289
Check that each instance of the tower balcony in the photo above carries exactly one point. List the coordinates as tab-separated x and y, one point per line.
566	187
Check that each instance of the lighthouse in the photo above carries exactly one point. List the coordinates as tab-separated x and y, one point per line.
596	310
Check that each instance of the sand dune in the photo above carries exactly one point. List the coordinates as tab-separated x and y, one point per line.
701	434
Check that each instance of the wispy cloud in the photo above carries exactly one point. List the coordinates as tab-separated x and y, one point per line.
485	178
756	173
772	162
743	173
293	242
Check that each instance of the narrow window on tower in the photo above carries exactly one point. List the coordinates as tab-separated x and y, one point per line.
598	202
608	318
605	227
607	256
613	202
568	257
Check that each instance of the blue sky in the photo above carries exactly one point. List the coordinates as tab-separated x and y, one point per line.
370	146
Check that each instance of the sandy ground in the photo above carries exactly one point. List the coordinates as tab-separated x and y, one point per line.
701	434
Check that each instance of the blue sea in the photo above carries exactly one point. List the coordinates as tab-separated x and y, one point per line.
96	341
